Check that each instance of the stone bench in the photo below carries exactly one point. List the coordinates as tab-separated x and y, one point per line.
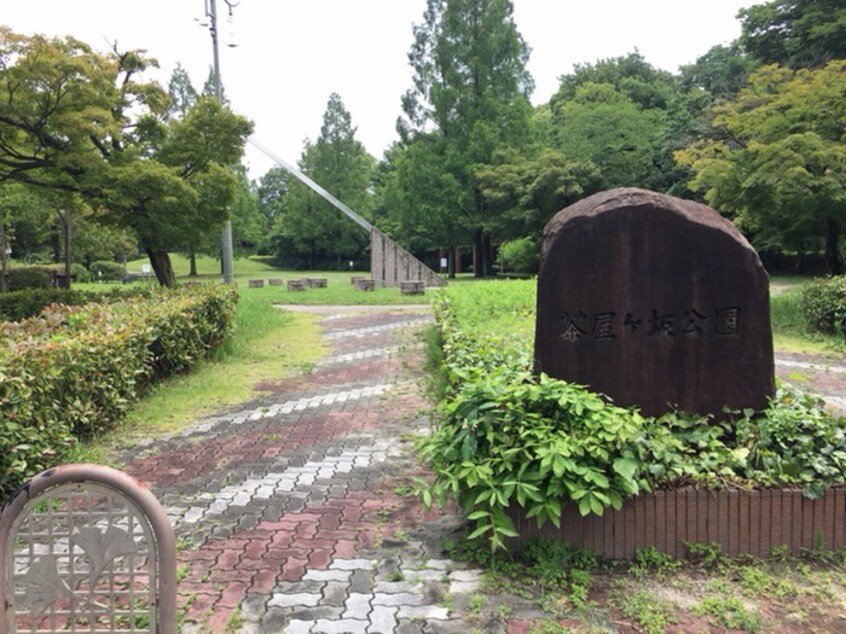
255	283
412	287
297	285
275	281
365	284
356	278
316	282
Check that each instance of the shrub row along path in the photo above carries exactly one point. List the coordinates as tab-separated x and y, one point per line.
295	513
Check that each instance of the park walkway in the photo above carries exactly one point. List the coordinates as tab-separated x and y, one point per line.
295	513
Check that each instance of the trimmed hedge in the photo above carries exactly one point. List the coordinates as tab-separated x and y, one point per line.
29	302
75	371
107	271
20	277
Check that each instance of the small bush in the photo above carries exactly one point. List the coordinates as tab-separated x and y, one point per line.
106	271
824	305
519	256
79	273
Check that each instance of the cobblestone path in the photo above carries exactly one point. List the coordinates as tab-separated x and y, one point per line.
294	514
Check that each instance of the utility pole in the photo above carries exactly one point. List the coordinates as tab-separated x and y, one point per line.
226	238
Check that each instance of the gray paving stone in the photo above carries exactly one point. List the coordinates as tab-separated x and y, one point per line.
409	627
352	564
274	621
327	575
394	587
422	612
346	626
362	581
335	593
253	607
403	598
315	614
357	606
294	587
463	587
298	627
280	600
383	620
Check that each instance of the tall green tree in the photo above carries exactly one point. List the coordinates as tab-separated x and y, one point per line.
648	87
181	91
721	72
338	162
795	33
779	162
469	98
84	123
602	125
526	191
618	113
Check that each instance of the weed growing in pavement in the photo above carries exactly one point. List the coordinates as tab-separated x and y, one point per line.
404	490
182	572
396	576
477	602
186	542
235	622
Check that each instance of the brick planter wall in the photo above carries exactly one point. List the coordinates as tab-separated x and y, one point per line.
743	522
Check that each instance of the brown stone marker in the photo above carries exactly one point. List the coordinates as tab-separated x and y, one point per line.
655	301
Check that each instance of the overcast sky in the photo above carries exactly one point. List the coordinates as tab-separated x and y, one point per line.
292	54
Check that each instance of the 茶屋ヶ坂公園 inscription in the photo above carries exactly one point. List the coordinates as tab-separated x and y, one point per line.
722	321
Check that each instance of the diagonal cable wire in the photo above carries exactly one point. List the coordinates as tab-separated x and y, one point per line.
312	185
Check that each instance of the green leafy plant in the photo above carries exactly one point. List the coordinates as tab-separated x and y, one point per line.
506	438
823	303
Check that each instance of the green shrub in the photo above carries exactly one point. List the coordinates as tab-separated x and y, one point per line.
20	277
824	305
519	256
106	271
78	272
22	304
75	371
506	437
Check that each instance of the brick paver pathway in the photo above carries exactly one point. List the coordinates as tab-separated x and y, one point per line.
294	514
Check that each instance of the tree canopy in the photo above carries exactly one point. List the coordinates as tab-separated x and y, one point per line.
779	160
86	123
469	98
306	226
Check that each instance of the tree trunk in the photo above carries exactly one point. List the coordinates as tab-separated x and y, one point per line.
489	254
192	264
832	248
478	254
67	226
3	257
160	261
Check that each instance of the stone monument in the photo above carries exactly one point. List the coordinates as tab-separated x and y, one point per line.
655	301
